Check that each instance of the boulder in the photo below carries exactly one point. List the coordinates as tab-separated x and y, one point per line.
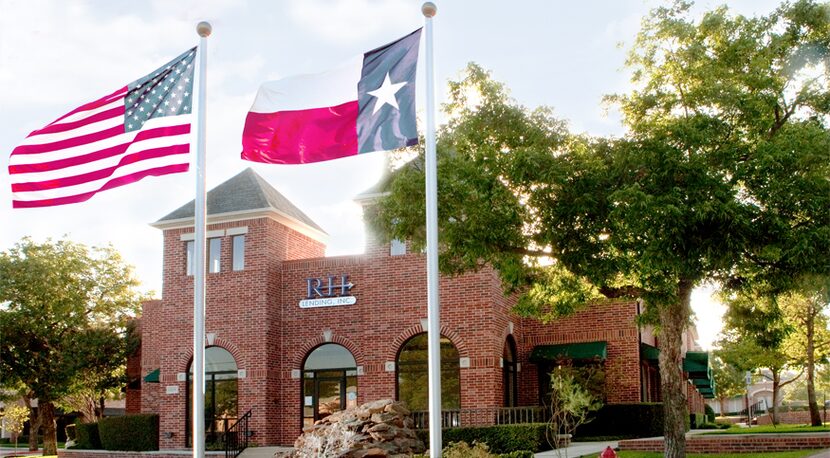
377	429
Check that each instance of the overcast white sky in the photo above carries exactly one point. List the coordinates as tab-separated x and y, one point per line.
56	55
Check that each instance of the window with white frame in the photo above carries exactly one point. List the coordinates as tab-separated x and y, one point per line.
214	253
238	252
189	250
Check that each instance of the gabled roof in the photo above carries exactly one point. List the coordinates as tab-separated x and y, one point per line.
244	193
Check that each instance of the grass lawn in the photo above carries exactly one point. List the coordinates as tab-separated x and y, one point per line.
793	454
768	429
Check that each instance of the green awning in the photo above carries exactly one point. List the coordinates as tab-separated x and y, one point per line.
649	353
696	363
152	377
582	351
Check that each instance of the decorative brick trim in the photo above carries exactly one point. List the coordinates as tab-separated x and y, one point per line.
412	331
302	354
186	357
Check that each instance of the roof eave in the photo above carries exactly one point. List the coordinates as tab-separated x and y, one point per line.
268	212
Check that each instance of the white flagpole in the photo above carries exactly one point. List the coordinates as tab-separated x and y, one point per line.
433	302
198	419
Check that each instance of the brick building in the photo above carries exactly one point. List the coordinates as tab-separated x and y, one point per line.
293	335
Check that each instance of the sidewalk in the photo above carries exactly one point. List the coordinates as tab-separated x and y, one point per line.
578	449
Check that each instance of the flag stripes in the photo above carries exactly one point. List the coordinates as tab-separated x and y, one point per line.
139	130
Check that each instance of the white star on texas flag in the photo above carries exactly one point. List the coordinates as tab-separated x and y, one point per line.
386	94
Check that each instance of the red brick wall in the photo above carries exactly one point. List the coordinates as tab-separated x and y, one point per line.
254	314
736	443
612	322
132	404
801	417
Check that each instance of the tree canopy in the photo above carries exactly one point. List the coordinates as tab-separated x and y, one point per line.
63	317
722	175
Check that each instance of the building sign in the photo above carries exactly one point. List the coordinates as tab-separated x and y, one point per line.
330	291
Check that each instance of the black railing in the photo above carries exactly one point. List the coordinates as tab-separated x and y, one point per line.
236	437
754	409
484	416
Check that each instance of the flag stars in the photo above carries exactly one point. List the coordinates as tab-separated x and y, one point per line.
385	94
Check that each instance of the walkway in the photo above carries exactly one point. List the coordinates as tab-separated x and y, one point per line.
578	449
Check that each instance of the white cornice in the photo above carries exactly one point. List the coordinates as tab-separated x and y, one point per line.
270	213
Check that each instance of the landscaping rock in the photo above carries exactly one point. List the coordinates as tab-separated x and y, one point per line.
377	429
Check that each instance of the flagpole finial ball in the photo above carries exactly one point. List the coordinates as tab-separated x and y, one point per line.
203	29
429	9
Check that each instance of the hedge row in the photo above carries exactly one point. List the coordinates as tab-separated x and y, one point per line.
129	433
630	420
88	437
500	438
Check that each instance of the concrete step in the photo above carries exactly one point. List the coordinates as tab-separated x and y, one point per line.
262	452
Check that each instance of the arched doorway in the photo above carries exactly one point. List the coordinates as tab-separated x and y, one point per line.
412	385
509	373
221	398
329	382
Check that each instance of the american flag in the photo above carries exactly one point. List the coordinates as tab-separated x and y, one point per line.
142	129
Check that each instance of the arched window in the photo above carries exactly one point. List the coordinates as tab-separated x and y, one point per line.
220	394
329	382
413	380
509	373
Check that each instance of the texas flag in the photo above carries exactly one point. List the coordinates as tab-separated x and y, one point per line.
366	105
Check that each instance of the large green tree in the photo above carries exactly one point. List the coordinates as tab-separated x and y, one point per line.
63	316
722	175
754	337
806	310
729	382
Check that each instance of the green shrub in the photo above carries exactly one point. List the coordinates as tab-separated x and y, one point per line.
626	420
88	437
710	413
696	420
465	450
70	432
130	433
477	450
499	438
518	454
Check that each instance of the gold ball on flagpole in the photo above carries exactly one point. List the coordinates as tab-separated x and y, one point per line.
429	9
203	29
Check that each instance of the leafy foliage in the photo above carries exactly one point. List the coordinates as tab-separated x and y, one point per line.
63	320
722	175
570	404
14	416
499	438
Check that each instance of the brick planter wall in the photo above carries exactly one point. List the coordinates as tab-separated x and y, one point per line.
735	443
801	417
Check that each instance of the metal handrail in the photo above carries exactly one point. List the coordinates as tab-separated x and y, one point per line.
236	437
484	416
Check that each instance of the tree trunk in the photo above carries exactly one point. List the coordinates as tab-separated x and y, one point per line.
776	391
50	436
722	401
673	321
34	423
815	415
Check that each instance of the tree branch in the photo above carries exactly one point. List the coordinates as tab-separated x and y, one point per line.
622	291
783	384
